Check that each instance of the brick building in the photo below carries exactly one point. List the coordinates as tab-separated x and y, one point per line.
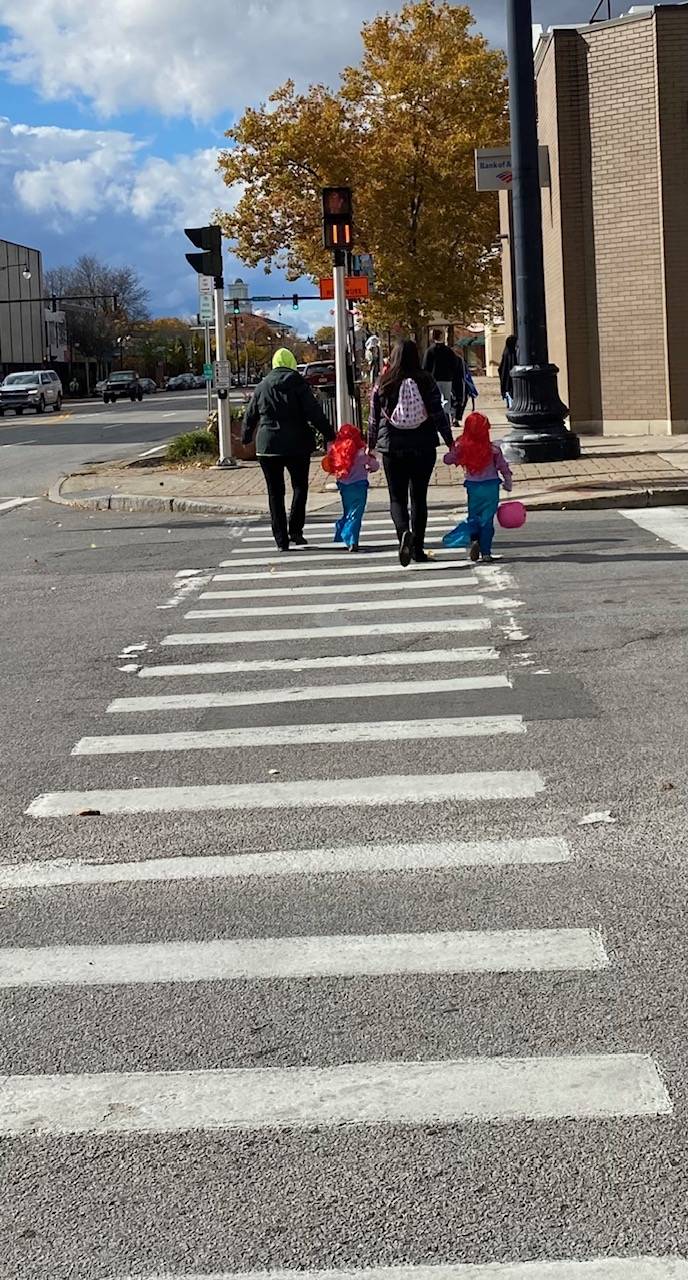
613	113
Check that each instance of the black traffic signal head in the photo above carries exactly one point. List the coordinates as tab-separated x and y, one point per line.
338	217
295	301
237	307
209	239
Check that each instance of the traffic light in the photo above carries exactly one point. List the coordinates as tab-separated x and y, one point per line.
209	239
337	217
237	307
295	301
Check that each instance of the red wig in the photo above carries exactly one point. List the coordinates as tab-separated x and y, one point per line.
341	455
475	448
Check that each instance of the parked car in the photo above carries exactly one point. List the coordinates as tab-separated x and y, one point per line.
148	386
182	382
122	383
35	389
99	387
320	373
199	382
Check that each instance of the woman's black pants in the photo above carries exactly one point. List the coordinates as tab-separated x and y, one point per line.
409	471
273	469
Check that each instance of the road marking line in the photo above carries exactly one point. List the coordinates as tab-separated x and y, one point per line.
424	657
359	859
159	448
8	504
636	1268
352	567
370	523
341	956
344	588
317	557
341	606
668	523
370	1093
313	693
311	793
266	636
288	735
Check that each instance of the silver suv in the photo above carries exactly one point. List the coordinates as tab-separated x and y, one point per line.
35	389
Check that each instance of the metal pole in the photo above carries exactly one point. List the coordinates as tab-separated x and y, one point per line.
236	344
340	327
208	360
223	405
538	414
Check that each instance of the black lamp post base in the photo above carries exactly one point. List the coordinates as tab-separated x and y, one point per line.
538	418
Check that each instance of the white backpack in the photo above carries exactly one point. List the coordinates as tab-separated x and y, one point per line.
410	411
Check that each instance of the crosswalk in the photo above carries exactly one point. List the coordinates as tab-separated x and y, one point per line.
11	504
396	741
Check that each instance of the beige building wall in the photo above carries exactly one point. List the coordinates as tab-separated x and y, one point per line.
613	113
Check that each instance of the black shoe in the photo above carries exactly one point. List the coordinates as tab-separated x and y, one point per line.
353	547
298	540
420	557
405	549
283	548
474	553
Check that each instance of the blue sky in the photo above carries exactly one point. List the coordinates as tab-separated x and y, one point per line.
114	110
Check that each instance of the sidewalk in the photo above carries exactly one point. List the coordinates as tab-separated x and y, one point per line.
613	472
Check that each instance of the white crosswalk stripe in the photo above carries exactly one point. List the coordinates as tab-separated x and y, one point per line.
438	888
10	504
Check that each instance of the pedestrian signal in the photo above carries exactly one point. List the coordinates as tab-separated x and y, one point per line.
338	217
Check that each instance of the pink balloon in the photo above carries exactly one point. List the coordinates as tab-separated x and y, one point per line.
512	515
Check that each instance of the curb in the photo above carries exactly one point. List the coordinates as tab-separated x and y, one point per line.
635	498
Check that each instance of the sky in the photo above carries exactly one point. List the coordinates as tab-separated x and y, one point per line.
114	111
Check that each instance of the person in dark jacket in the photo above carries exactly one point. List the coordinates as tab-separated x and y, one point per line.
442	363
408	455
506	364
281	415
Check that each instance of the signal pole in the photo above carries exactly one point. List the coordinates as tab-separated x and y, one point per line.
338	236
209	263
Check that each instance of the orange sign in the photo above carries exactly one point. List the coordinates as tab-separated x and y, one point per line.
357	288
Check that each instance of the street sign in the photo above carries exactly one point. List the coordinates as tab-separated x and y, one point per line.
357	288
206	309
208	372
222	375
493	170
206	284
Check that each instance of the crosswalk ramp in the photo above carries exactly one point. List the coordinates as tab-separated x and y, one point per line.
293	987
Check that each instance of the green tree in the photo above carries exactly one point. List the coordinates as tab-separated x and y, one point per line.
324	335
93	323
401	130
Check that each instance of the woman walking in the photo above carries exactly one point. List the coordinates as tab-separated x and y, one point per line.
406	416
281	413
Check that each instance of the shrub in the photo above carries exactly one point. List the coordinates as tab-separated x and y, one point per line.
191	445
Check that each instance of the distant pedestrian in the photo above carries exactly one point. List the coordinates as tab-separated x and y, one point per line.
351	464
442	363
406	416
472	392
281	414
74	387
459	389
506	364
483	463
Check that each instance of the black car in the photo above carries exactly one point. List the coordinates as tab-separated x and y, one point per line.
122	383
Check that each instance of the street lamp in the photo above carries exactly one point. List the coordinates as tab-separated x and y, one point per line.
537	414
24	266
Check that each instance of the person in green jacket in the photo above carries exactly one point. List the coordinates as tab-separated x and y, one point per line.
281	414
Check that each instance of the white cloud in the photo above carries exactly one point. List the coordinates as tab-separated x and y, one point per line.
75	174
178	57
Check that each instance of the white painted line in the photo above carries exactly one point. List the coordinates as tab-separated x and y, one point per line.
313	693
310	558
409	583
341	956
668	523
159	448
360	1093
370	525
311	793
188	573
427	627
8	504
420	658
353	567
607	1268
366	859
341	606
287	735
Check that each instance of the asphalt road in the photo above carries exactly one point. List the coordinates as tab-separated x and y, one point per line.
414	1082
35	449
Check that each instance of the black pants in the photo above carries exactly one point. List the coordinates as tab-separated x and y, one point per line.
273	469
404	471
